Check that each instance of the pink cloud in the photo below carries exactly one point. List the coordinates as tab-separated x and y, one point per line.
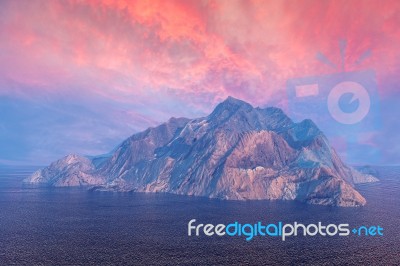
133	64
248	49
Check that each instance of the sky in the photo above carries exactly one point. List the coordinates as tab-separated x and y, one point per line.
81	76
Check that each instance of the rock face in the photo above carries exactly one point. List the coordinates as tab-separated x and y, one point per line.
237	152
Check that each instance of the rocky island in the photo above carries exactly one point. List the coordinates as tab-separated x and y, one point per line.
238	152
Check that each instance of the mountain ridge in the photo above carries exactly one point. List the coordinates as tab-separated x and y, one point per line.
236	152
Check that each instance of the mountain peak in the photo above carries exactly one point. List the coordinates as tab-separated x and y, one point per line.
234	101
230	105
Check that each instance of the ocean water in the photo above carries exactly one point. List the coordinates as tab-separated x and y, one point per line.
73	226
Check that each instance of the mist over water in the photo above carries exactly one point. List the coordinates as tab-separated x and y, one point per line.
58	226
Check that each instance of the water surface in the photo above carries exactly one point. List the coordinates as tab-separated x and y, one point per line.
72	226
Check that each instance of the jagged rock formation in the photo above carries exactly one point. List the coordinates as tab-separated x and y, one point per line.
237	152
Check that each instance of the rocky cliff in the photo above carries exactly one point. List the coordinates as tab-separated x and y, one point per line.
237	152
